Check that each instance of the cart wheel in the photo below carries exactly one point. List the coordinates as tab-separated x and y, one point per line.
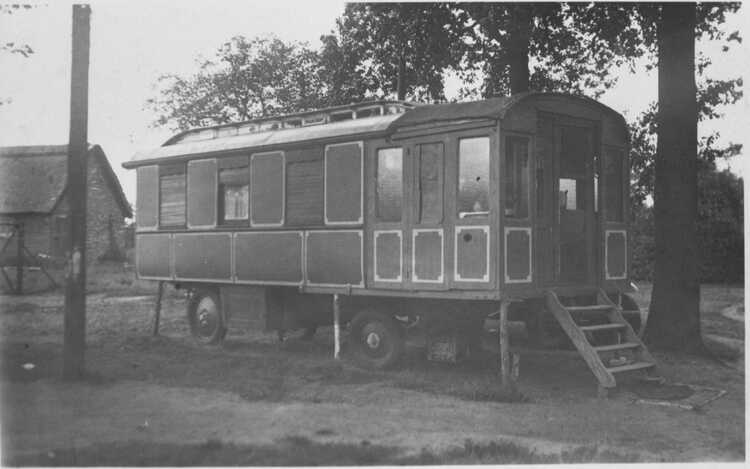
638	323
206	318
377	338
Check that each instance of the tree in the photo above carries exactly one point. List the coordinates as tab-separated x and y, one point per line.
674	322
246	79
399	49
547	46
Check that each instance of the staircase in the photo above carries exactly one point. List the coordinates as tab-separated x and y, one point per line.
603	337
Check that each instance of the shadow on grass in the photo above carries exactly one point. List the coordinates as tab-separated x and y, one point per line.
301	451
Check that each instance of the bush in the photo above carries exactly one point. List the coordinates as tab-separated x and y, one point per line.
720	231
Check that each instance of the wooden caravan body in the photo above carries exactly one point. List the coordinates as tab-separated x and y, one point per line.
506	197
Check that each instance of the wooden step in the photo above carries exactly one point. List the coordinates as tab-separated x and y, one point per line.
589	309
631	367
614	347
603	327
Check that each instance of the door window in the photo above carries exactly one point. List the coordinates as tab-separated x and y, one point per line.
389	186
473	176
516	177
430	183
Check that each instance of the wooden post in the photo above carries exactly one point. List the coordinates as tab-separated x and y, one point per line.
506	366
157	311
19	258
74	338
336	326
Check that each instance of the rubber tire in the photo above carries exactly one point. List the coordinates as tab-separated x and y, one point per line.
391	340
199	300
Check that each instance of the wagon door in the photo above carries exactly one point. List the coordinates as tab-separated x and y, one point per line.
387	227
575	223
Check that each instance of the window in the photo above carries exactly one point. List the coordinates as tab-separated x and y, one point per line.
516	177
613	184
569	194
430	183
234	189
389	187
172	195
267	189
473	176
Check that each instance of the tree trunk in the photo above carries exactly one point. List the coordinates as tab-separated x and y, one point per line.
518	52
674	319
401	83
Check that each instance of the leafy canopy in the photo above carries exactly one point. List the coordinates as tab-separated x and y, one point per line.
247	78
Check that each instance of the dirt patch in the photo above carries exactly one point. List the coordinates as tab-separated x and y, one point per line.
660	391
165	395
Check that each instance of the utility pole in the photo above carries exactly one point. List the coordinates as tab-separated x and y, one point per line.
74	338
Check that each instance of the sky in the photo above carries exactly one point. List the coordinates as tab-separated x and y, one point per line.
133	43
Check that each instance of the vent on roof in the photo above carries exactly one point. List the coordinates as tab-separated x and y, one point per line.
292	123
369	112
341	116
314	120
227	132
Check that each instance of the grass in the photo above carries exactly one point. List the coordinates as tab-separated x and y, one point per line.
300	451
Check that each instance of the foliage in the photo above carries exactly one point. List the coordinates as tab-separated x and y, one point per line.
712	94
247	78
719	225
571	47
397	49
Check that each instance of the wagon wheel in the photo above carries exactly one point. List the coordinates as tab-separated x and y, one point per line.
638	323
206	317
378	340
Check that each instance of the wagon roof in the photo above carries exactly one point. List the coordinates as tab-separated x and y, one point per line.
414	115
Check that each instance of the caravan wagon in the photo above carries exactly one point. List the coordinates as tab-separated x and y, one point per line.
418	217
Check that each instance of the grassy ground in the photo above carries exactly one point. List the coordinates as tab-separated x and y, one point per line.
301	451
252	401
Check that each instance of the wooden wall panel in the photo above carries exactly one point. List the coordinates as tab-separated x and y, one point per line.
152	256
267	189
201	193
334	258
147	201
616	254
304	192
343	183
472	253
268	257
388	253
203	256
518	255
427	255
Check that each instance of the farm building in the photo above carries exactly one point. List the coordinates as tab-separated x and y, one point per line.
33	193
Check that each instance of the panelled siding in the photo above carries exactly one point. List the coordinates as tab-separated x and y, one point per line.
310	225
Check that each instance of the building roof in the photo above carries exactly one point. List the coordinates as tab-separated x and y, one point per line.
34	178
381	125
